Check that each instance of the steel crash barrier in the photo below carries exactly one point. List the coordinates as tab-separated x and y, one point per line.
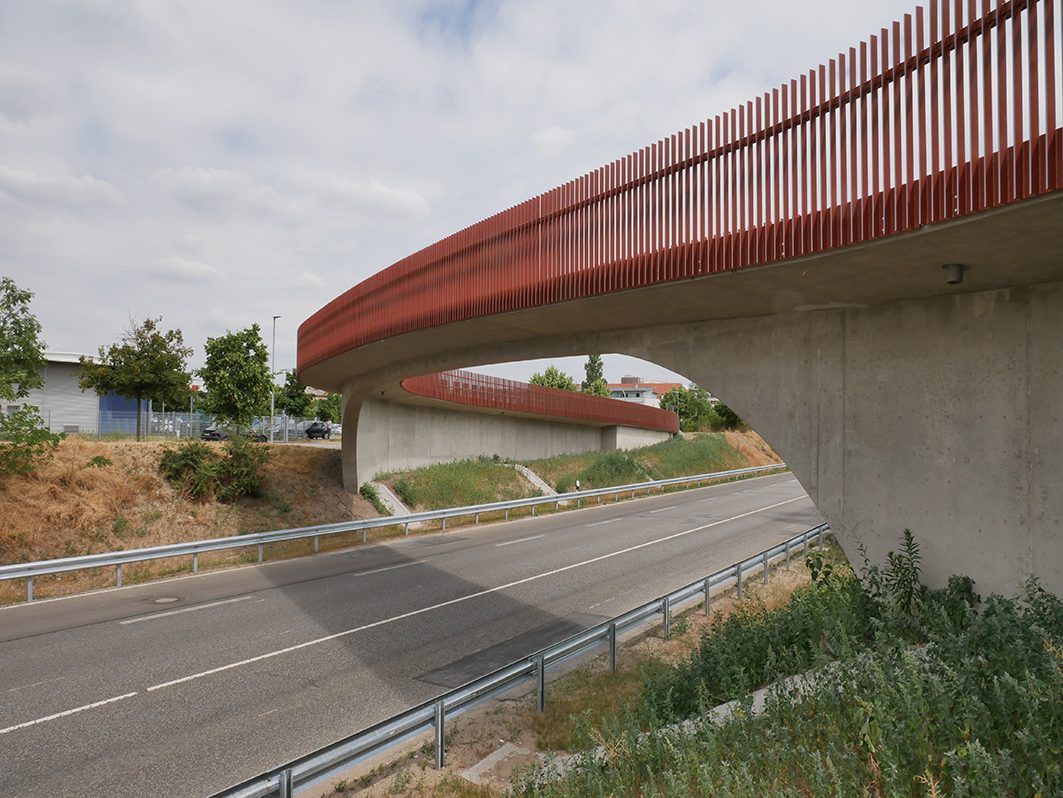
116	559
432	716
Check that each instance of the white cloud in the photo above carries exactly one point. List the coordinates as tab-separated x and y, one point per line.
182	270
23	97
311	280
63	192
372	196
222	192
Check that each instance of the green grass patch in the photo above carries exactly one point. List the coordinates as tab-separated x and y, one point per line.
458	484
676	457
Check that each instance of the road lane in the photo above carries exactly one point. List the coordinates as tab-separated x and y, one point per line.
317	648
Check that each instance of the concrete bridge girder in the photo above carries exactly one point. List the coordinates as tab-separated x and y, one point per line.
941	414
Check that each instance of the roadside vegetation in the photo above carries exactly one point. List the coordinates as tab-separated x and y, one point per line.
458	484
904	691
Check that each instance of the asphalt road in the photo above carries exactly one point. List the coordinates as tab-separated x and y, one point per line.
183	687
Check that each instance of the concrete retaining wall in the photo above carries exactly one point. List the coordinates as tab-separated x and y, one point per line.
395	437
623	438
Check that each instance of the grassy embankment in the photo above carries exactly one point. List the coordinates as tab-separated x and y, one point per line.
485	480
901	691
78	503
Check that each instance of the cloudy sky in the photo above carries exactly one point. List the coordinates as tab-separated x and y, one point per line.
220	163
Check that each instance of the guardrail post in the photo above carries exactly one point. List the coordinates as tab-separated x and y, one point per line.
365	533
284	784
507	513
577	502
786	555
118	575
444	529
738	579
260	552
406	528
557	506
533	509
195	563
440	734
805	544
29	588
764	568
540	677
612	648
708	597
666	611
317	544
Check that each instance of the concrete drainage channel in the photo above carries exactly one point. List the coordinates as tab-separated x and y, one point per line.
432	716
31	570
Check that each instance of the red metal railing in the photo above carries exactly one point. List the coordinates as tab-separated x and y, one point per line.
949	113
470	388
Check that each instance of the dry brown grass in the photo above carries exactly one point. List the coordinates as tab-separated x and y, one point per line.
69	508
753	448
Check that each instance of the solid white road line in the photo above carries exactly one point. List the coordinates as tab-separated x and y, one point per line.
74	711
388	568
168	613
608	521
521	540
460	599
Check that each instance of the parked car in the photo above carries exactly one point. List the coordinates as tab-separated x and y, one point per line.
318	429
214	433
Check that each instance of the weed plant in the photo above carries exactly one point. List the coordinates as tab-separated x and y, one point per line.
903	691
201	472
458	484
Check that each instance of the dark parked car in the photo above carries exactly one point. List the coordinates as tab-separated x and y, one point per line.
219	434
318	429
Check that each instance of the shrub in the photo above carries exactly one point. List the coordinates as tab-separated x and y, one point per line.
372	495
24	442
242	470
199	471
99	461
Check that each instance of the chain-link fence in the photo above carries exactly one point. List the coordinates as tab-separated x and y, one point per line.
180	425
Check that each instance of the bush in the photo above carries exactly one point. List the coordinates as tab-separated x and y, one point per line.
372	495
24	442
199	471
99	461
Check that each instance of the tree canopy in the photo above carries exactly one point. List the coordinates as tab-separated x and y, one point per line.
236	375
553	377
693	407
594	378
21	350
292	398
146	363
329	408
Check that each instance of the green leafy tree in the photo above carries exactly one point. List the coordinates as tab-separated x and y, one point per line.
292	397
146	363
693	407
553	377
23	439
329	408
728	418
236	375
594	378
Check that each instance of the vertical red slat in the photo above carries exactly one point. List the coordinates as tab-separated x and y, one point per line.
728	193
893	134
759	235
1054	143
908	186
977	170
718	224
874	227
747	212
948	191
1021	170
801	172
921	182
963	191
989	161
1003	159
934	185
837	148
853	223
1036	152
819	201
776	135
792	213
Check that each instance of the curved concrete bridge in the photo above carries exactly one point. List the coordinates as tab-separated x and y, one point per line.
864	263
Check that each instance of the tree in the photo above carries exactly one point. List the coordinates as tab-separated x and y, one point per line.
145	364
23	438
594	380
292	397
553	377
728	418
693	407
329	408
236	375
21	350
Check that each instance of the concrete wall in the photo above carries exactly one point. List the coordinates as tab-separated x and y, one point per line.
943	415
624	438
393	436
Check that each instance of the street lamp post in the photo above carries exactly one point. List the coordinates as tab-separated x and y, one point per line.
272	372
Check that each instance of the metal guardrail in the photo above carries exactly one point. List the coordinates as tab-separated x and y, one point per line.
305	772
117	559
